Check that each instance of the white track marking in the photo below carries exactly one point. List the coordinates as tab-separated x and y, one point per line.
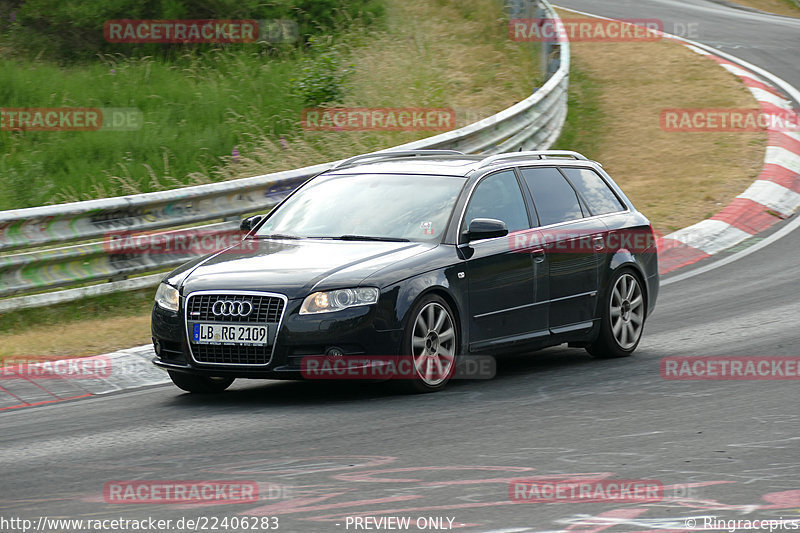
773	196
710	236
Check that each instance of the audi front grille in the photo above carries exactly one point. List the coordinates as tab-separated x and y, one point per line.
267	309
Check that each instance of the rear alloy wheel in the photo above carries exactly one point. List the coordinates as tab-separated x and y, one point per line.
431	338
199	384
623	319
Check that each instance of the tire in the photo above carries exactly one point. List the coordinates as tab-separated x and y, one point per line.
431	340
199	384
624	316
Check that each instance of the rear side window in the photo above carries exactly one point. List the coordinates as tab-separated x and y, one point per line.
554	197
594	190
499	197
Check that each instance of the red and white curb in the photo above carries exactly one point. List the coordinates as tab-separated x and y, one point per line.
774	196
47	382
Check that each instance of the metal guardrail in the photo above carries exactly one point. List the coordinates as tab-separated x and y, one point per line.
32	240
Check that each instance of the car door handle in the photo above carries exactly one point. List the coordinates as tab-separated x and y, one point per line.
538	255
599	243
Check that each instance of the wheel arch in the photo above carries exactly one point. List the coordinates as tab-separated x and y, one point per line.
624	259
447	295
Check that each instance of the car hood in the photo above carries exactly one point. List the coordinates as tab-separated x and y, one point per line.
296	267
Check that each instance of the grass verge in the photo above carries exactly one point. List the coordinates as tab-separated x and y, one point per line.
788	8
193	110
86	327
449	53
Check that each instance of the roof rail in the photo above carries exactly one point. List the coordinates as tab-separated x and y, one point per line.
541	154
393	153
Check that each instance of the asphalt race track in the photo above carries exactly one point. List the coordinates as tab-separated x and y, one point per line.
323	454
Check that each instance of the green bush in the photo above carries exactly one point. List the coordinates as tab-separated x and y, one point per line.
323	75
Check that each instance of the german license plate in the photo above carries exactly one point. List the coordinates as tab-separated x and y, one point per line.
234	334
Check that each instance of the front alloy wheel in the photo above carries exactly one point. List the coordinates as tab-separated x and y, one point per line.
432	341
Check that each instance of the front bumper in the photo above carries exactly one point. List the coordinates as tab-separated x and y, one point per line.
356	331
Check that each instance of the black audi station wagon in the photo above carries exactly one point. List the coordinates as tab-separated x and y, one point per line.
428	256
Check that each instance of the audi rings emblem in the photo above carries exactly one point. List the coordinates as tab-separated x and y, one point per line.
231	308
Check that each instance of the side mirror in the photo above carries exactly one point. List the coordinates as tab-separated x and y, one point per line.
486	228
249	223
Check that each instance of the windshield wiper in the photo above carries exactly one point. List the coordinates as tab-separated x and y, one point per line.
277	236
366	238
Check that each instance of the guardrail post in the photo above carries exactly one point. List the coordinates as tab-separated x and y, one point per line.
534	10
554	59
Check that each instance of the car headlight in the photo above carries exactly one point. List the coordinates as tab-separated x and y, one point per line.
167	297
329	301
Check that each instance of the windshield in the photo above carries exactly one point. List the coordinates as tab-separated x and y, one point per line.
367	207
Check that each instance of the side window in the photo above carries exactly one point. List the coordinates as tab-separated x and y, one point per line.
498	196
595	191
554	197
